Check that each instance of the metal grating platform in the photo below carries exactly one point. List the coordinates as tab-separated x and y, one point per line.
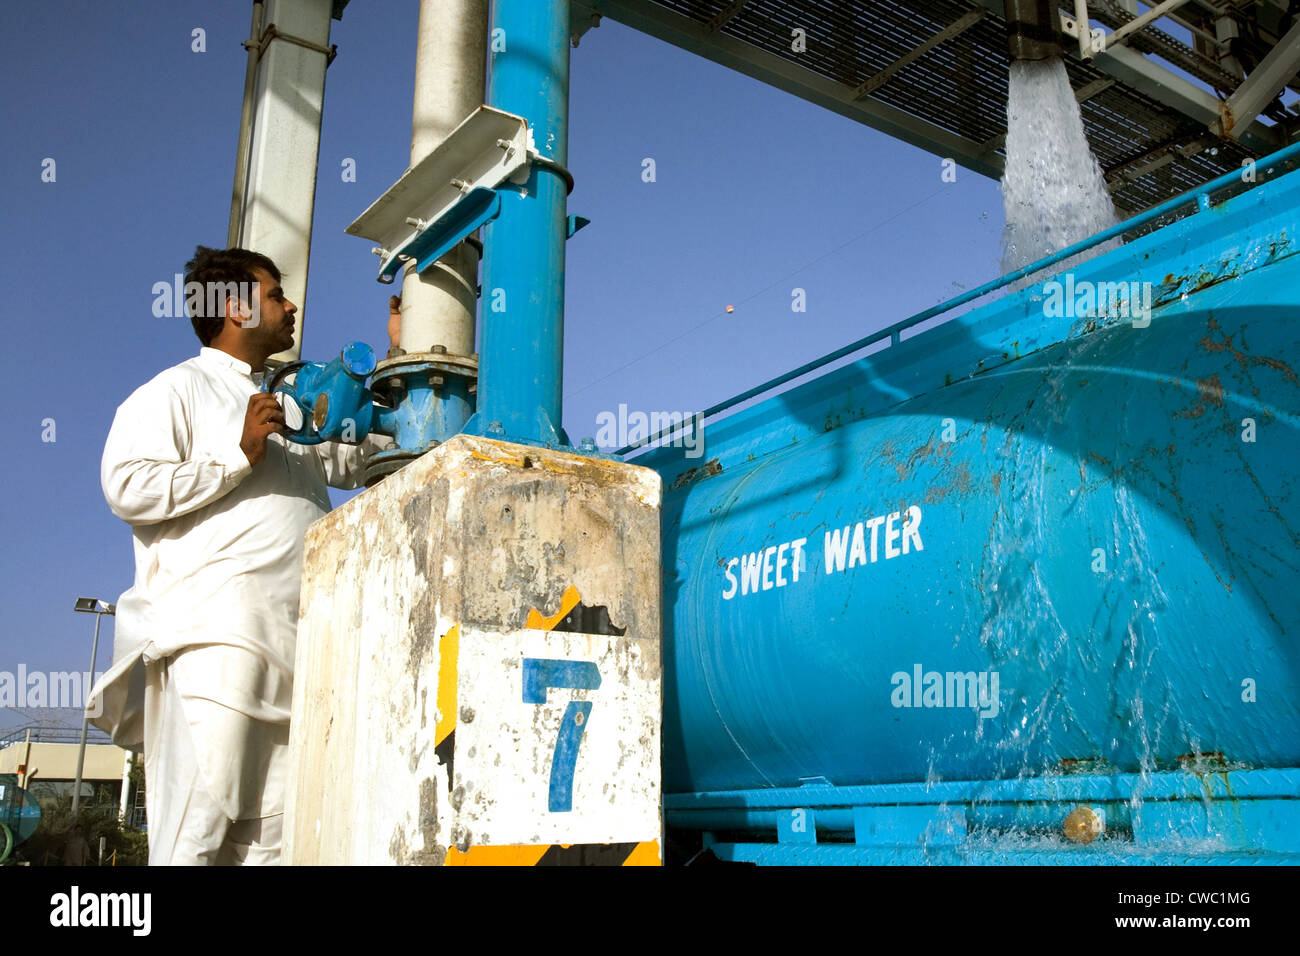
1149	127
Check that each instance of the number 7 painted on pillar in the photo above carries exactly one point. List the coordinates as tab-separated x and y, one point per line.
539	674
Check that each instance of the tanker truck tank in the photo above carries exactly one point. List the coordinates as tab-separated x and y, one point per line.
1037	563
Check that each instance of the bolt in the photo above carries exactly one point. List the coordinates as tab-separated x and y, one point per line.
1083	825
587	444
496	428
438	349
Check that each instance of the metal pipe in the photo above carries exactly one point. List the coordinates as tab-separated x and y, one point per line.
1033	29
245	128
521	356
27	761
1084	26
81	748
127	762
440	306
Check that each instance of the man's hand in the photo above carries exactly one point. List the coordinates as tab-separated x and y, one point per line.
394	320
263	417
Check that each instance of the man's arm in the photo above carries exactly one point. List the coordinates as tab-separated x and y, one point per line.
147	473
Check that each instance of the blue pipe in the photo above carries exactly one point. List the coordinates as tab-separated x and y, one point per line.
522	345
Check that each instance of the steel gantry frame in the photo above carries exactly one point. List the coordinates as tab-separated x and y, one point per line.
933	73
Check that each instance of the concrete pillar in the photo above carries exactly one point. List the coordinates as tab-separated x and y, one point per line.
478	674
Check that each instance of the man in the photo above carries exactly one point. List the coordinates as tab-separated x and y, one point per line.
218	502
76	849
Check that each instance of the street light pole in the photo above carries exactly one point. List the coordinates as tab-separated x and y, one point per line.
99	609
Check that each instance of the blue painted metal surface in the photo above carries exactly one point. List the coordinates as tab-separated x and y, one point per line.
332	397
1088	523
1195	813
521	351
20	813
439	237
429	399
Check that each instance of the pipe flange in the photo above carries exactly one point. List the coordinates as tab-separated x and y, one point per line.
390	375
382	464
466	366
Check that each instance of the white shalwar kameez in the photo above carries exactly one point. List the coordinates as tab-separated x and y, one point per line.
202	675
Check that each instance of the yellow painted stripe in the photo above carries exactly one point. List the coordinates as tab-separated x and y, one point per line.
448	648
496	855
645	854
567	603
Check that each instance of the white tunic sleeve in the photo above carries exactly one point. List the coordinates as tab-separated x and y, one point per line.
147	473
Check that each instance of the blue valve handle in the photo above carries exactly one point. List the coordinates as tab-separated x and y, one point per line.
304	434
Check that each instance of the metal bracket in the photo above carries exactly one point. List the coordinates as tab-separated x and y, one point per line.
444	197
271	33
1091	43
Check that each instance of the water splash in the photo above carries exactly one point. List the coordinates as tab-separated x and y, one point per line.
1053	189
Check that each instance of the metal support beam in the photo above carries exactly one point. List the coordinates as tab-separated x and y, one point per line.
879	79
1084	34
1146	76
726	15
1133	26
687	34
280	193
582	20
1263	83
1150	161
1151	79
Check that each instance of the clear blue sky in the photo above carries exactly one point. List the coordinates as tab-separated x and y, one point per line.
757	193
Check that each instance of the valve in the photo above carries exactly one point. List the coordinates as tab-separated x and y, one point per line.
333	399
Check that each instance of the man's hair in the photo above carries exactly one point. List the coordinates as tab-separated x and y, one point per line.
219	266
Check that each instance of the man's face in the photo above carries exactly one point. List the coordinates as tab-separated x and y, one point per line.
272	324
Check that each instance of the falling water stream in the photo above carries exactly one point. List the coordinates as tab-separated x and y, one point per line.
1055	195
1053	190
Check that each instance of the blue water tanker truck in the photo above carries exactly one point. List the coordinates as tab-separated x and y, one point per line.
1021	586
